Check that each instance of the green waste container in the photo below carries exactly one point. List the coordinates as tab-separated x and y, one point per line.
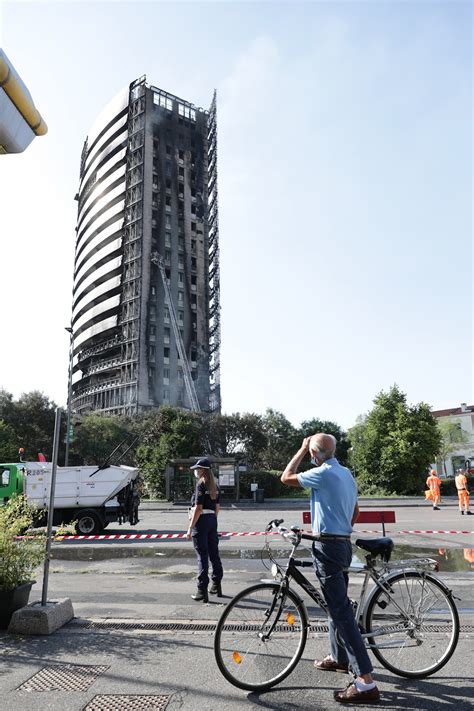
259	497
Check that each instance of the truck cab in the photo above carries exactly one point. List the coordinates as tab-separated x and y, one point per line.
11	481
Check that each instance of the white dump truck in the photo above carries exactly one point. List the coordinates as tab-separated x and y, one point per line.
92	496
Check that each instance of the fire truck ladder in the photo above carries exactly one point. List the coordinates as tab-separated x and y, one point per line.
188	381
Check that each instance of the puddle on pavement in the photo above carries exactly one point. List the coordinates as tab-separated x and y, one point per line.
451	560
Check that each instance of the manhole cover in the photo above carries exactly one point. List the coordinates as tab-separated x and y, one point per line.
63	677
120	702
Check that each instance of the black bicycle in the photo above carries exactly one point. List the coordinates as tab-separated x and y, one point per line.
408	617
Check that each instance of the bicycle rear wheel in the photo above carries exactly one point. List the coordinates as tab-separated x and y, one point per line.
414	627
260	636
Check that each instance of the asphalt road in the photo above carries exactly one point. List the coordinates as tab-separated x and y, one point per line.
154	579
413	514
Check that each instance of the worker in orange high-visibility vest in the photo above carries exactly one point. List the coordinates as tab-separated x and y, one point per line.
463	493
433	483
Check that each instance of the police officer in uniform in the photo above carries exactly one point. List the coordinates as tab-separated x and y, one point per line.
203	530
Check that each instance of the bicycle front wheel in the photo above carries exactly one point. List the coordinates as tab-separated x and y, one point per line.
413	628
260	636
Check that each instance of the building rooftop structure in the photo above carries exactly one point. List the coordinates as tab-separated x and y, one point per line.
462	410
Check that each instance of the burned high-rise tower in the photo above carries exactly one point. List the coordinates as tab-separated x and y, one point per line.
146	271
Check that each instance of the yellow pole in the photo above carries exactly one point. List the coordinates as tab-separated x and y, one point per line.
17	92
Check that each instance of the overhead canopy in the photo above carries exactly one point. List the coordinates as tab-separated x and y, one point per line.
20	120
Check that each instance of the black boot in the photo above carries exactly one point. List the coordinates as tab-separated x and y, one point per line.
201	596
216	589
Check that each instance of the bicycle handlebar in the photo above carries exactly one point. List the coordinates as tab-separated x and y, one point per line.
276	524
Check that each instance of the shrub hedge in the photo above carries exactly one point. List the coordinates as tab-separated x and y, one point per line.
270	482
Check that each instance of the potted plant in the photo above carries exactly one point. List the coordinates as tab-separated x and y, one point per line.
20	555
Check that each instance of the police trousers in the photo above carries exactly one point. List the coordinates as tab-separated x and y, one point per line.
331	560
206	545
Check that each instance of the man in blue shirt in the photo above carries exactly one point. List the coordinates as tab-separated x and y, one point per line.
334	509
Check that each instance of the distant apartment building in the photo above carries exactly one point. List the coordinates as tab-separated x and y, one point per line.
463	418
147	196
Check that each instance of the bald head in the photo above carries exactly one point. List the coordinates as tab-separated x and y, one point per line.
322	445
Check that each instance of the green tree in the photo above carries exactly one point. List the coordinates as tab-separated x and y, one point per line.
97	436
392	447
7	406
31	419
167	434
453	437
8	443
237	434
282	440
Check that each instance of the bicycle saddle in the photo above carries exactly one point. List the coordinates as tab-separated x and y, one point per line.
377	546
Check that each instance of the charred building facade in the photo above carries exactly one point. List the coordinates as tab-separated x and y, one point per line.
146	271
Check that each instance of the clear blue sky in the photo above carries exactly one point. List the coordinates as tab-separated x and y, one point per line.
345	170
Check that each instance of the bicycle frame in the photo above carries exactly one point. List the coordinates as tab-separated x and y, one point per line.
292	572
380	580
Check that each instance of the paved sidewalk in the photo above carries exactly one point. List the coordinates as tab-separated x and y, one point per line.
183	669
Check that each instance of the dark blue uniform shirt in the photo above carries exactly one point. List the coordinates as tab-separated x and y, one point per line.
201	497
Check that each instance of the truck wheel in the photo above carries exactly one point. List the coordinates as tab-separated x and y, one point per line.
88	523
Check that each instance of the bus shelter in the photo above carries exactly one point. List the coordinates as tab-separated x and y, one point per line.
180	481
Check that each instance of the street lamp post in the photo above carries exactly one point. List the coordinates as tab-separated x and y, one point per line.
69	392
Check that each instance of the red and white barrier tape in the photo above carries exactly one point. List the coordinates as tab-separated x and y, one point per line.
223	534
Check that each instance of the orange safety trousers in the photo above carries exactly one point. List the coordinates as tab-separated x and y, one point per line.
463	499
